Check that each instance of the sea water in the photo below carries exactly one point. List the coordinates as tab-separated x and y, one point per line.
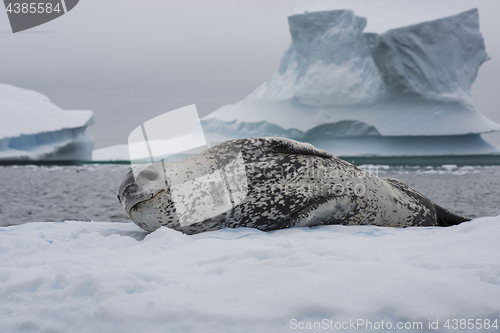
88	192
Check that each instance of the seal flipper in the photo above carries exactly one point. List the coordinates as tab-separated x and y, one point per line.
445	218
327	211
284	145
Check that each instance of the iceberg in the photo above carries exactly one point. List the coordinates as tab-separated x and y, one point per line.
405	92
34	129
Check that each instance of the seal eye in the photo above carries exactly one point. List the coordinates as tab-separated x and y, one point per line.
149	175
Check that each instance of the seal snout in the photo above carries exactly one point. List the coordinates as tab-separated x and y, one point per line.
126	191
132	191
126	182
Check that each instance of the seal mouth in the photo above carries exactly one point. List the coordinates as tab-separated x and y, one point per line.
137	204
131	201
135	207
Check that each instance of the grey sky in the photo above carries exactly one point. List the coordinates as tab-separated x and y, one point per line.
131	60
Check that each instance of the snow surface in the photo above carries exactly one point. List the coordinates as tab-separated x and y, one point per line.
113	277
32	128
409	81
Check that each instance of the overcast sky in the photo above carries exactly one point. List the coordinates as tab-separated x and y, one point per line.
131	60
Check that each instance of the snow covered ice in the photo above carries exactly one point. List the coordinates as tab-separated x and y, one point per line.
113	277
32	128
354	93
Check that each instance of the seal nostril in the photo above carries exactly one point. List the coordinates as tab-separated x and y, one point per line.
149	174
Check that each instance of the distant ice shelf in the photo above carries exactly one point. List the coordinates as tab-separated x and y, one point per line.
116	153
34	129
405	92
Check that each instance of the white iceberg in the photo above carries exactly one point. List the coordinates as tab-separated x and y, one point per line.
403	92
32	128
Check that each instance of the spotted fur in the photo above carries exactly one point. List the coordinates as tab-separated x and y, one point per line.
290	184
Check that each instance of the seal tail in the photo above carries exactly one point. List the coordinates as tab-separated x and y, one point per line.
445	218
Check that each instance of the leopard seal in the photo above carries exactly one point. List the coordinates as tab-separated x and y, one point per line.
286	184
